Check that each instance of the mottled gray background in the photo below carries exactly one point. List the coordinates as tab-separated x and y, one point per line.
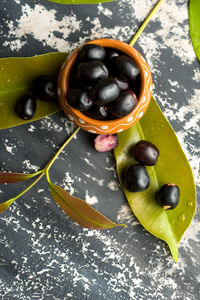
43	254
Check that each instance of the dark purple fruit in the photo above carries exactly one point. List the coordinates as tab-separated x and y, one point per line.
124	68
78	99
124	104
91	72
91	52
105	91
123	85
97	112
169	196
146	153
45	88
104	143
136	178
110	53
26	107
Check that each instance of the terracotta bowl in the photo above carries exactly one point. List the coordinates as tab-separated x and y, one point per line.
118	124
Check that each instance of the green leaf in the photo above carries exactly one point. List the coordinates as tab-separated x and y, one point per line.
15	177
194	23
79	211
16	77
80	1
172	167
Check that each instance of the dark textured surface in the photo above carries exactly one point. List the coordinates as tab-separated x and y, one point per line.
43	254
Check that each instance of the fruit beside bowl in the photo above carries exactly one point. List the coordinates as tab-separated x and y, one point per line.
104	86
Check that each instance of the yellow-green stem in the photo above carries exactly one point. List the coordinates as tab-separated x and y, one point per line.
46	169
144	24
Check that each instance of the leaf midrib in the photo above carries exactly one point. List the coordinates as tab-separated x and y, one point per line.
79	213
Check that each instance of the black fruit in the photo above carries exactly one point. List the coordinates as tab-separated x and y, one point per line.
78	99
91	52
110	53
91	72
98	112
169	196
136	178
45	88
124	68
123	85
124	104
146	153
105	91
26	107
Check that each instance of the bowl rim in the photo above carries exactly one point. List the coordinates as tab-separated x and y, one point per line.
111	43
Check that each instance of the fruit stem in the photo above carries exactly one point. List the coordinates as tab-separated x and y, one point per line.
145	23
46	169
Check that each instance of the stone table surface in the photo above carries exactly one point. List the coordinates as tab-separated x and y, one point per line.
43	254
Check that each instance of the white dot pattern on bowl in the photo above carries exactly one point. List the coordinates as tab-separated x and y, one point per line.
146	74
59	91
81	121
130	119
140	114
151	88
144	99
120	130
104	127
70	117
92	131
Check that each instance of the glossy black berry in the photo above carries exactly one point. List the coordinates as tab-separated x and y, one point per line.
91	72
45	88
169	196
124	104
110	53
136	178
91	52
146	153
123	85
124	68
26	107
98	112
78	99
105	91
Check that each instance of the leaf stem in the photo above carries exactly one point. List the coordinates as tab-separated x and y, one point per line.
27	189
60	150
145	23
46	169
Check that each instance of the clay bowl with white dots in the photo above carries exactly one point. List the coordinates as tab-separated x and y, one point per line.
118	124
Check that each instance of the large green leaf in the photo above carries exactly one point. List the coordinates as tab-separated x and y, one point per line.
79	211
172	167
194	21
16	77
80	1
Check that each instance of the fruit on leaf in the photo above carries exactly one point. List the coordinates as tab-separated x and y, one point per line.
45	88
146	153
91	72
78	99
26	106
91	52
124	68
104	143
168	196
124	104
105	91
136	178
